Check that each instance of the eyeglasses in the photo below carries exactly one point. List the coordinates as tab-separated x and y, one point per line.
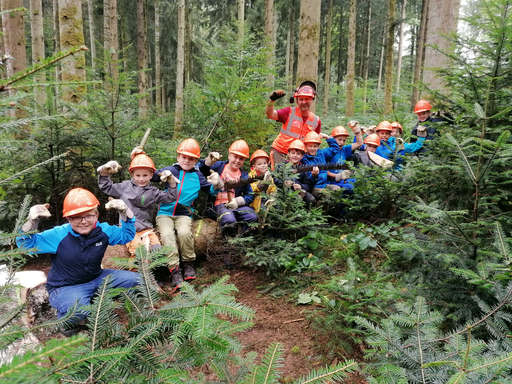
78	219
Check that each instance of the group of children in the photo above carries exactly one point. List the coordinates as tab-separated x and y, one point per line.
237	208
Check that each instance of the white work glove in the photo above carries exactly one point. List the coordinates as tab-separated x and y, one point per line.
371	129
137	151
167	177
35	212
125	213
288	183
215	180
324	135
315	171
212	158
269	202
400	144
421	131
297	187
109	168
354	126
235	203
343	175
267	176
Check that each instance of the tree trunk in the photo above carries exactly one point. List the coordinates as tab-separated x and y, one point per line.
309	41
349	105
291	47
388	85
420	54
400	46
367	56
340	51
37	32
72	35
241	21
178	116
269	36
443	16
382	51
92	28
142	59
158	68
111	36
327	77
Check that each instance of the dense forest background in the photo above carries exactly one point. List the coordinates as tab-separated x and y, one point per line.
419	273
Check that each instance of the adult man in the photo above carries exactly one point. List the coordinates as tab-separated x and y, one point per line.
426	126
77	249
297	122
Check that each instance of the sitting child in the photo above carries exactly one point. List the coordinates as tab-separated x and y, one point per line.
139	195
369	157
231	207
315	156
259	167
402	147
174	220
388	144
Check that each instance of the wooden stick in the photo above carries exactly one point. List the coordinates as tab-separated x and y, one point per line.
293	321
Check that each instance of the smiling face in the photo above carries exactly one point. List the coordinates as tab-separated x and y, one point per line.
260	165
142	176
304	104
312	148
83	223
295	156
235	161
395	132
371	148
422	116
341	140
384	135
186	162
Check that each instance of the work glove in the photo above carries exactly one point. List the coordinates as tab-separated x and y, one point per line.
371	129
343	175
125	213
109	168
288	183
212	158
297	187
262	186
215	180
167	177
364	130
315	171
235	203
35	212
400	144
269	202
421	131
354	126
267	177
137	151
277	94
324	135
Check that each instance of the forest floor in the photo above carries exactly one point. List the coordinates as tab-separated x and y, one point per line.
276	320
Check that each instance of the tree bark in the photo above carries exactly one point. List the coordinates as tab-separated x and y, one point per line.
349	104
327	77
269	36
142	59
72	35
443	16
158	67
291	47
400	46
241	21
367	56
111	43
340	51
309	41
420	54
388	85
382	51
178	116
37	32
92	28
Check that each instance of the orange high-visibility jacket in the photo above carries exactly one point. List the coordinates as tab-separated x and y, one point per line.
293	129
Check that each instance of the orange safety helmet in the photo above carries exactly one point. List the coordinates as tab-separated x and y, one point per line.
259	153
142	161
79	200
240	148
396	124
383	126
339	131
422	106
373	139
190	148
298	145
312	137
305	91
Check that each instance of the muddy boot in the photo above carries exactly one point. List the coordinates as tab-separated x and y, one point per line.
176	279
188	271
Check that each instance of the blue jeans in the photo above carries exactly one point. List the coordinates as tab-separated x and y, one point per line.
229	218
64	298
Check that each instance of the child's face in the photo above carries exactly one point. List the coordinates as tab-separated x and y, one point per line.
422	116
312	148
295	156
236	161
186	162
260	165
142	176
341	140
371	148
384	135
395	132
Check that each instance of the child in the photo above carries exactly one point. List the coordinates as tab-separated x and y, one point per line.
175	219
231	207
403	148
387	143
259	167
303	183
338	152
140	196
369	157
313	156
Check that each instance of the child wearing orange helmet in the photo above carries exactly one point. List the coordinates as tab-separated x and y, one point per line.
174	219
140	196
259	167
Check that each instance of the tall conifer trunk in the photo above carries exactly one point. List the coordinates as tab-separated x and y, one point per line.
400	45
269	36
420	53
142	58
388	85
92	28
327	77
158	67
180	68
351	60
37	32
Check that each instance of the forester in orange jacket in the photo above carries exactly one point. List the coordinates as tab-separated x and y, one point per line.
297	122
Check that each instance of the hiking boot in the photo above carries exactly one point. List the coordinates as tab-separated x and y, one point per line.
71	331
176	279
188	271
